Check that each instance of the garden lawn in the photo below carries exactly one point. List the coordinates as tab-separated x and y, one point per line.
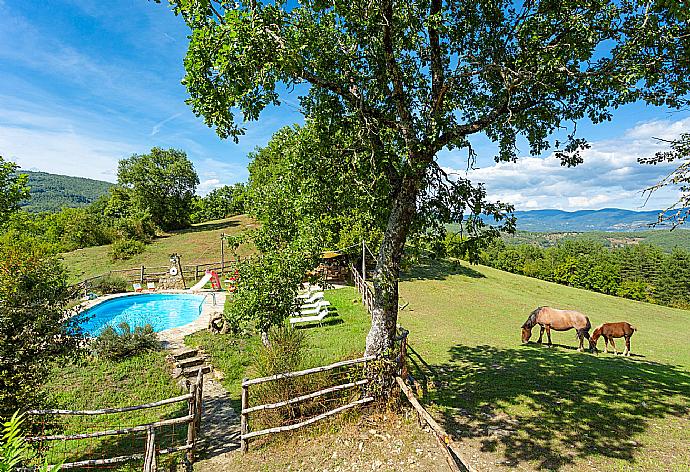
532	407
196	245
94	384
340	336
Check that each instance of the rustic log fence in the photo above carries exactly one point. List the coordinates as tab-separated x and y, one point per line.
152	448
143	274
364	289
247	434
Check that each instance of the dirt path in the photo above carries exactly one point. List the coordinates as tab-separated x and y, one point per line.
220	425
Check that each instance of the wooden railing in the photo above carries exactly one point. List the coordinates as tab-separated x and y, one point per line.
142	274
364	289
192	419
246	434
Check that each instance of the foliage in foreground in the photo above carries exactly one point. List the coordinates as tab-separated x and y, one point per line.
127	342
33	327
14	450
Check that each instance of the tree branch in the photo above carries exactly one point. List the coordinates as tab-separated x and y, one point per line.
396	75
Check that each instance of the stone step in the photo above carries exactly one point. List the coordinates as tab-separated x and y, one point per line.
191	372
190	362
185	354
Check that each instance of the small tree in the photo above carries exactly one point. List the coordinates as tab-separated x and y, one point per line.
13	188
163	182
33	327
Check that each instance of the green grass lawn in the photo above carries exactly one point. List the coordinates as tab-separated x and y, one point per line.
537	408
196	245
94	384
340	336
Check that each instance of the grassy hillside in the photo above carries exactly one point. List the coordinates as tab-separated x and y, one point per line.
51	192
196	245
537	408
665	239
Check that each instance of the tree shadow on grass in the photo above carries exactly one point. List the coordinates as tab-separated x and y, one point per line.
542	405
439	269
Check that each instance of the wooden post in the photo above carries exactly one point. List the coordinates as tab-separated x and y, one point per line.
199	402
222	253
191	426
150	464
364	261
141	275
244	446
403	356
196	272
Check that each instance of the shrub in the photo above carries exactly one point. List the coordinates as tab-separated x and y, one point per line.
285	352
114	345
111	284
33	327
124	249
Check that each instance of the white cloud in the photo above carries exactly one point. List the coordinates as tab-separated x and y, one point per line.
609	177
208	185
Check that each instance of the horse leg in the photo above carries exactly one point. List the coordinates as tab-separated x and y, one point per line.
541	333
613	345
548	334
627	346
606	344
581	338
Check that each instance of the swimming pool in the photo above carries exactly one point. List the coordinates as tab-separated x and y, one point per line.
160	310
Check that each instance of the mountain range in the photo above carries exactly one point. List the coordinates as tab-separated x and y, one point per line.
51	192
607	219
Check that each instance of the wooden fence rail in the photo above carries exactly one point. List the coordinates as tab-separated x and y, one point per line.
364	289
246	409
192	419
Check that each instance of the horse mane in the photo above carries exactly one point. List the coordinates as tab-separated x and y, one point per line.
532	318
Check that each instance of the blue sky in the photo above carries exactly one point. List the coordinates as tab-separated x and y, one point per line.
84	83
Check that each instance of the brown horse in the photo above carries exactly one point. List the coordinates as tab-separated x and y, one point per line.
612	330
560	320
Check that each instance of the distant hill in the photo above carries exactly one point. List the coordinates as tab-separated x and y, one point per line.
51	192
608	219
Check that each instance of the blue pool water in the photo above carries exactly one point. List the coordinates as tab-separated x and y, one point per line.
162	311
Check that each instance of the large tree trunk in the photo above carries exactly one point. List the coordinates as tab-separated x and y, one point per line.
385	313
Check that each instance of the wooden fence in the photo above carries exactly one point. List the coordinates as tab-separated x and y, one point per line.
246	434
364	289
143	274
192	419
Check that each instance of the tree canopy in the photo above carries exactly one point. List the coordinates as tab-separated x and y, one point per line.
162	182
408	80
13	188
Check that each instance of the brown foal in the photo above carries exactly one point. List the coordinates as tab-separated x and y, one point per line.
612	330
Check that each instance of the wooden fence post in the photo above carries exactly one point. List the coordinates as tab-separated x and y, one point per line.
150	462
222	253
403	356
244	446
191	426
141	275
199	402
196	272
